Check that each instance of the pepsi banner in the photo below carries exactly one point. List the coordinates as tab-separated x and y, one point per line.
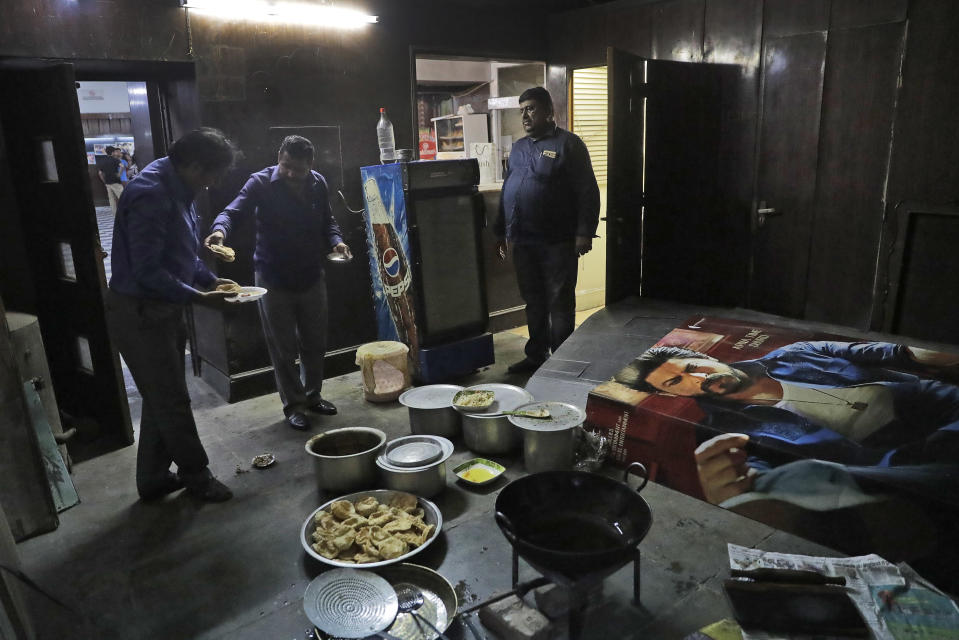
389	250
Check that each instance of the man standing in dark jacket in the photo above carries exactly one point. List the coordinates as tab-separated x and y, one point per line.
156	274
548	215
295	230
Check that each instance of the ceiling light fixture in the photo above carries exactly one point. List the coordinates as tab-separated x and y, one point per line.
302	13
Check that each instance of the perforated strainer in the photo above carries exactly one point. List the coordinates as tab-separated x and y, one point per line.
349	603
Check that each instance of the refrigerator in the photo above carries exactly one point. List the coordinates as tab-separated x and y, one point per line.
423	225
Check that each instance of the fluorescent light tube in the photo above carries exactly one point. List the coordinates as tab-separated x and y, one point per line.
282	12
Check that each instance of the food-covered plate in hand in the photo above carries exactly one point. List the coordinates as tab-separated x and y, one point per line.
247	294
363	531
339	258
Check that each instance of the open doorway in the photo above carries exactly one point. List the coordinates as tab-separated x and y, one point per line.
58	274
115	115
589	119
467	107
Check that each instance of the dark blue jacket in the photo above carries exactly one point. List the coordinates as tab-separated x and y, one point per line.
550	192
924	429
293	236
155	238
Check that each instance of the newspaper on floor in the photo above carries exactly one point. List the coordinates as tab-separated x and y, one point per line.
921	611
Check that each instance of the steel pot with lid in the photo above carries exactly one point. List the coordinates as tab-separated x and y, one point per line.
415	464
548	443
431	410
488	433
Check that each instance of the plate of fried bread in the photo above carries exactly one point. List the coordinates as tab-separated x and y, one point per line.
371	529
223	252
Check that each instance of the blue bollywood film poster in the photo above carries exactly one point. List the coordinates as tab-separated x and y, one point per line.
389	251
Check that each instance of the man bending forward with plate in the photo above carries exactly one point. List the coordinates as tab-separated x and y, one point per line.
295	229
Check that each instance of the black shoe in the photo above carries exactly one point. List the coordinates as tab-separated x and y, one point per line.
211	491
298	421
323	406
170	483
524	366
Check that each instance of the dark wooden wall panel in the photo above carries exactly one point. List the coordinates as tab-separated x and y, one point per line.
733	36
862	73
924	164
677	29
578	38
926	160
925	156
103	30
857	13
793	17
629	29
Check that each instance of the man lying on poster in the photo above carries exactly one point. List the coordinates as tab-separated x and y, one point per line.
822	425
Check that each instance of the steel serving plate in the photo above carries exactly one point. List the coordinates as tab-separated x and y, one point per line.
431	515
506	397
247	294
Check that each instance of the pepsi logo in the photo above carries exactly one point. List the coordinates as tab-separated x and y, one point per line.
391	262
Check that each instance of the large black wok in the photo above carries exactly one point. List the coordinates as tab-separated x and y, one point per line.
573	525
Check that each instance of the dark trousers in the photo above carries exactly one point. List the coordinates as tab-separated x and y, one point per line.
546	274
151	337
295	326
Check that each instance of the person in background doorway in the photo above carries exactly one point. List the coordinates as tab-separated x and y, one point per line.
548	214
124	163
132	168
156	274
109	169
295	230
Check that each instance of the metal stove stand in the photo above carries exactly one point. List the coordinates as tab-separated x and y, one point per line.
577	590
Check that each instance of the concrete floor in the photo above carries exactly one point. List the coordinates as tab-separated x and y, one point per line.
181	569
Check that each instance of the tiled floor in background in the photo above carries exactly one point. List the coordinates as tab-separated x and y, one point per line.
105	226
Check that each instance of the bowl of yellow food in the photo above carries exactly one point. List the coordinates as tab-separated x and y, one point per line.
478	471
370	529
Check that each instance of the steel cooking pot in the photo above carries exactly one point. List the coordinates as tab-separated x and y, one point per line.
431	410
345	459
574	524
492	434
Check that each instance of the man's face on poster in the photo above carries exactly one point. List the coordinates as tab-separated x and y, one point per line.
692	377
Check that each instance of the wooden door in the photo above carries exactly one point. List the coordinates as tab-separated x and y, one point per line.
42	129
793	69
672	234
689	231
624	204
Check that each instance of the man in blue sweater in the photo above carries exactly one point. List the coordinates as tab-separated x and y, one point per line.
156	274
295	230
548	214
